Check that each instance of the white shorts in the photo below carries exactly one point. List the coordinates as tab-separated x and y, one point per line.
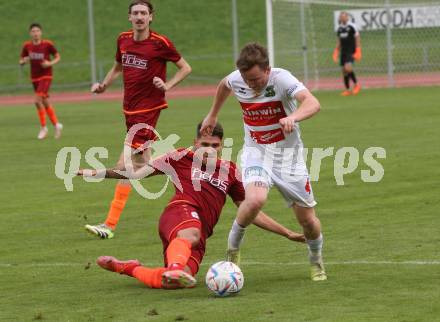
287	172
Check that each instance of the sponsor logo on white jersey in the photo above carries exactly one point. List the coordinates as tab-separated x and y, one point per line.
263	111
130	60
242	90
269	136
198	174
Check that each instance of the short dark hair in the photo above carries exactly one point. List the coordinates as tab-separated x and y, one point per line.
217	131
253	54
35	24
143	2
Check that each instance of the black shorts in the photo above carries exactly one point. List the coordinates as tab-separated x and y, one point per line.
346	57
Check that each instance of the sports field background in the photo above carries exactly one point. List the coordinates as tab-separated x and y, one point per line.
414	50
381	240
201	31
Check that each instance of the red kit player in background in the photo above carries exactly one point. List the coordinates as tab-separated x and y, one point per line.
202	181
42	55
141	57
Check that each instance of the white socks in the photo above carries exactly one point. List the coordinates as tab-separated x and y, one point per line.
236	235
315	248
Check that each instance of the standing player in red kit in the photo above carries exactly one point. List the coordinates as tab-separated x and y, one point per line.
141	57
202	182
42	55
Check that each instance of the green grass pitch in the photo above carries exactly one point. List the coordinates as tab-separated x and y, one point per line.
381	239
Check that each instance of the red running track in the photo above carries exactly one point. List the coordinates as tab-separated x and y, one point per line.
334	83
72	97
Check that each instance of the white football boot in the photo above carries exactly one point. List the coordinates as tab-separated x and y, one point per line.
43	133
58	130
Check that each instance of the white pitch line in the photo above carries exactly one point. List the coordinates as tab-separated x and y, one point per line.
250	263
418	262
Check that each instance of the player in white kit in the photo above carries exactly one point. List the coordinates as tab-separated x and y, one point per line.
272	152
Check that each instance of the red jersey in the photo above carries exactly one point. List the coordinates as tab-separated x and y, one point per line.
37	53
205	190
141	62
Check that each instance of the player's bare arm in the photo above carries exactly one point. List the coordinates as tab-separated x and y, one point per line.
309	106
114	73
266	222
50	63
112	173
183	70
220	97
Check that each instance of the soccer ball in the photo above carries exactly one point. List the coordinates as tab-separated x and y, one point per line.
224	278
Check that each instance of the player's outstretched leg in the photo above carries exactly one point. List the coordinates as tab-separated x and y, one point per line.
152	277
312	231
114	265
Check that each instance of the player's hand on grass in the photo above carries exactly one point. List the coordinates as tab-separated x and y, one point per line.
46	64
98	88
160	84
287	124
296	237
208	125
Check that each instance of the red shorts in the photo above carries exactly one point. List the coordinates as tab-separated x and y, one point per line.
144	132
41	87
180	216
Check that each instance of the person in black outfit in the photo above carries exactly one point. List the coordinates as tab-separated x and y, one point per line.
348	49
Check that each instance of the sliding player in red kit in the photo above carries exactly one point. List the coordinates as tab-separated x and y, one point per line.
141	57
202	182
42	55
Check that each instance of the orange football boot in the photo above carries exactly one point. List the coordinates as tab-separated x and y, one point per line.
356	89
114	265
